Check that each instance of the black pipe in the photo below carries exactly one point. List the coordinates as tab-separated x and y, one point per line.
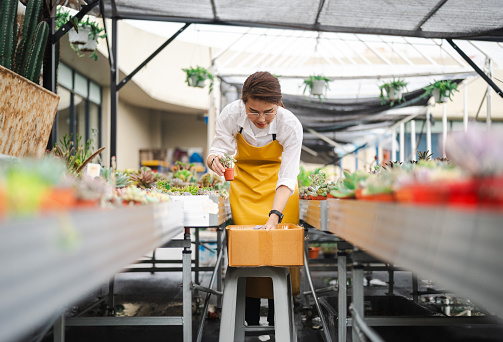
476	68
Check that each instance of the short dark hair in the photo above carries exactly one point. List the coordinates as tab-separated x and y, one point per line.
264	86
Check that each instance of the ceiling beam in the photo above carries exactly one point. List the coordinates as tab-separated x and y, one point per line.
430	14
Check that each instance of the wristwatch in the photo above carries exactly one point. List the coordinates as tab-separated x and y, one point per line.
277	212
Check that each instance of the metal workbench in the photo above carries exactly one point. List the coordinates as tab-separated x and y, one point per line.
458	248
52	260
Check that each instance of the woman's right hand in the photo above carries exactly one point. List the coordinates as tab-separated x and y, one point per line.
214	164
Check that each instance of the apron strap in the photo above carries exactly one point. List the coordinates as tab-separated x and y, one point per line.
241	130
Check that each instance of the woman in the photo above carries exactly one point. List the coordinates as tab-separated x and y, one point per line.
268	140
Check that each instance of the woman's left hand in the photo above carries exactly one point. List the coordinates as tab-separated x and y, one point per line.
272	222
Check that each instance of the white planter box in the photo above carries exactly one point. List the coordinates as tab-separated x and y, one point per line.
194	83
318	87
204	210
79	38
438	99
394	94
90	46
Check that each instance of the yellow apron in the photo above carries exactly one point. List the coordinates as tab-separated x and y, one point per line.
251	196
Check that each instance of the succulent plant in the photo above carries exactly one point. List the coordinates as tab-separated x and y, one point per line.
177	183
145	178
227	161
346	187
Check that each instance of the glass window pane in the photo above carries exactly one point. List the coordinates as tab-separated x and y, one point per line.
80	85
95	93
80	116
94	125
65	76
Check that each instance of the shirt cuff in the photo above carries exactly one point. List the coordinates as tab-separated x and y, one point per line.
290	183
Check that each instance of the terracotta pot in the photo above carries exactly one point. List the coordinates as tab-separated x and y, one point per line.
313	252
59	199
358	194
379	197
86	203
321	198
329	195
229	174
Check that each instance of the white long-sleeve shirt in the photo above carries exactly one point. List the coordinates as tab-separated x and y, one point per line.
285	125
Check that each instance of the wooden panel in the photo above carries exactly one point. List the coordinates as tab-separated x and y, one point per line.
27	112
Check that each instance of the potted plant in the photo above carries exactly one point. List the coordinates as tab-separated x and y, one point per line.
26	110
313	251
228	162
441	90
393	90
83	36
196	77
316	85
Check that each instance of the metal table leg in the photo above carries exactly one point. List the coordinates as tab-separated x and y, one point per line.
357	296
59	329
220	231
187	296
342	296
328	338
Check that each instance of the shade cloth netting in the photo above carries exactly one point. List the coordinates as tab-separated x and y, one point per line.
473	19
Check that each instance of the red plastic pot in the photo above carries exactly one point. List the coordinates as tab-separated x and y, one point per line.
229	174
431	193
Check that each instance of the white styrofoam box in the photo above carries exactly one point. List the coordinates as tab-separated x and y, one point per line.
204	210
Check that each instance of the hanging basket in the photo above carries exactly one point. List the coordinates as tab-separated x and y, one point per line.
394	94
443	99
318	87
193	82
90	46
81	37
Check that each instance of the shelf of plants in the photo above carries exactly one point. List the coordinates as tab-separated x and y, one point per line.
52	260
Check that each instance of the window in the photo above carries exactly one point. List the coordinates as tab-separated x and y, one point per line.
79	110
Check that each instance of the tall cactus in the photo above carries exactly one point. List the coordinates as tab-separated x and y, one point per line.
8	36
31	20
36	49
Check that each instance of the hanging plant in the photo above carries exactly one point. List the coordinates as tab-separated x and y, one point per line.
196	77
441	90
83	36
316	84
394	90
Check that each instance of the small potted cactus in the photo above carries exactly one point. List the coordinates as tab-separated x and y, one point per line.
228	162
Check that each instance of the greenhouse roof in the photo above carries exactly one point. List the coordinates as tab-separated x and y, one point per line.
474	19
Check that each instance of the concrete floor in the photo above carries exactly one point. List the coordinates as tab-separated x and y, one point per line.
145	294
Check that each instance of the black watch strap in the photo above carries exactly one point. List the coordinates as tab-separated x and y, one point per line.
277	212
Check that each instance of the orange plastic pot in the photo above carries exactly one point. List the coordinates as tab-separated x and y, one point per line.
313	252
229	174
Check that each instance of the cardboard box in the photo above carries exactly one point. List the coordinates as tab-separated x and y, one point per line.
283	246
